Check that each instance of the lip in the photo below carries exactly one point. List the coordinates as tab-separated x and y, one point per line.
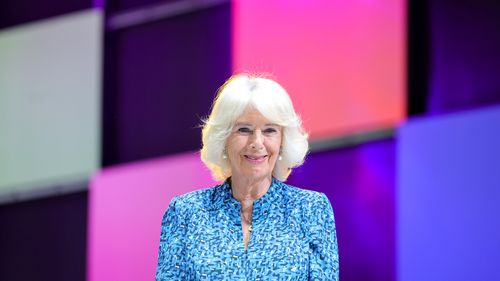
255	158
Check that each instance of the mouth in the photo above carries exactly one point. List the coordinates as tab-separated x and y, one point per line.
256	158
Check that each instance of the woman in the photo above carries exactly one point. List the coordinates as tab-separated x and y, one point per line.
252	226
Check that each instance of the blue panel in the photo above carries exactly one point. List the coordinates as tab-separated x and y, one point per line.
449	197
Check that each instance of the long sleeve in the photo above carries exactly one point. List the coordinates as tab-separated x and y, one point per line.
324	259
171	257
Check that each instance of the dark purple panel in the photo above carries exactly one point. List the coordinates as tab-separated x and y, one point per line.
360	183
160	78
44	239
418	57
113	6
14	12
465	56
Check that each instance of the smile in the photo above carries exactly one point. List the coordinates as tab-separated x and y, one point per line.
255	159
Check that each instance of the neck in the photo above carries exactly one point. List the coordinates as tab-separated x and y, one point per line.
249	189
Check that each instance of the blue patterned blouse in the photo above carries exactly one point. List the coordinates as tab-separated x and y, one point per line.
293	237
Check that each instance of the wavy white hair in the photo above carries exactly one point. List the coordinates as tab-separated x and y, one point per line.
272	101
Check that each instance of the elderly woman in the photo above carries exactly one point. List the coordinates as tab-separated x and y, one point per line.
253	226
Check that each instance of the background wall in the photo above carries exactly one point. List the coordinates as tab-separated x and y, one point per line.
162	64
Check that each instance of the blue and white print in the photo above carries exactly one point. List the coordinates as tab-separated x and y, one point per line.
293	237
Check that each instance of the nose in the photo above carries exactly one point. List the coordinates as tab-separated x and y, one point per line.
257	140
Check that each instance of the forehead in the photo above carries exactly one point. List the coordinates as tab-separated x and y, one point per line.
252	116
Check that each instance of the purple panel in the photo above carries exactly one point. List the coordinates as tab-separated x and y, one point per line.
160	80
360	183
14	12
448	197
465	57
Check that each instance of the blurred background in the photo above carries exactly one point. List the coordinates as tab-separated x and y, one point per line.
101	105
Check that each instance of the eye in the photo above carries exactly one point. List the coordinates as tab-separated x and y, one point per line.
244	130
270	131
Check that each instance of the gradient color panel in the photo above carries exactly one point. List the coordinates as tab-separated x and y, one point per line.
448	197
343	62
126	207
50	82
360	183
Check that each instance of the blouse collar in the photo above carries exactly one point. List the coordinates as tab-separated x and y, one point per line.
224	199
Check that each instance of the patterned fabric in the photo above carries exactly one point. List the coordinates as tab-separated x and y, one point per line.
293	237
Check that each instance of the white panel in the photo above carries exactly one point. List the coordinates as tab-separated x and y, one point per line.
50	80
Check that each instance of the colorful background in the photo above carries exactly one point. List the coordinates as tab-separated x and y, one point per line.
101	102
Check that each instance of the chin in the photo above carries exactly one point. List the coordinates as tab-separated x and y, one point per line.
258	174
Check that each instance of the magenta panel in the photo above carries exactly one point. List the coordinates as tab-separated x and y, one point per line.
126	205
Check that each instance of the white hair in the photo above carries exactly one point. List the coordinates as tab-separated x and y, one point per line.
272	101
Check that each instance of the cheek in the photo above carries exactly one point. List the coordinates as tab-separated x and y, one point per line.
235	145
274	146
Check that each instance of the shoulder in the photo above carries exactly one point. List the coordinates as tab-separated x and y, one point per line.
188	203
296	195
312	209
308	204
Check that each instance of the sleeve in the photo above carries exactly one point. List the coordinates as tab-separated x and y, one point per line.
172	253
324	258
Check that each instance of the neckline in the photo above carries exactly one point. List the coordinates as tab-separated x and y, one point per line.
261	206
269	190
269	193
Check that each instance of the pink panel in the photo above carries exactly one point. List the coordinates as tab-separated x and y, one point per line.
126	207
343	62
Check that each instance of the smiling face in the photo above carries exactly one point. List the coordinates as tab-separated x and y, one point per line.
253	146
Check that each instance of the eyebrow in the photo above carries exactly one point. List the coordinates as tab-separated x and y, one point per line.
250	125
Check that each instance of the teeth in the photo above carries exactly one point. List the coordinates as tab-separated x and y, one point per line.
254	158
